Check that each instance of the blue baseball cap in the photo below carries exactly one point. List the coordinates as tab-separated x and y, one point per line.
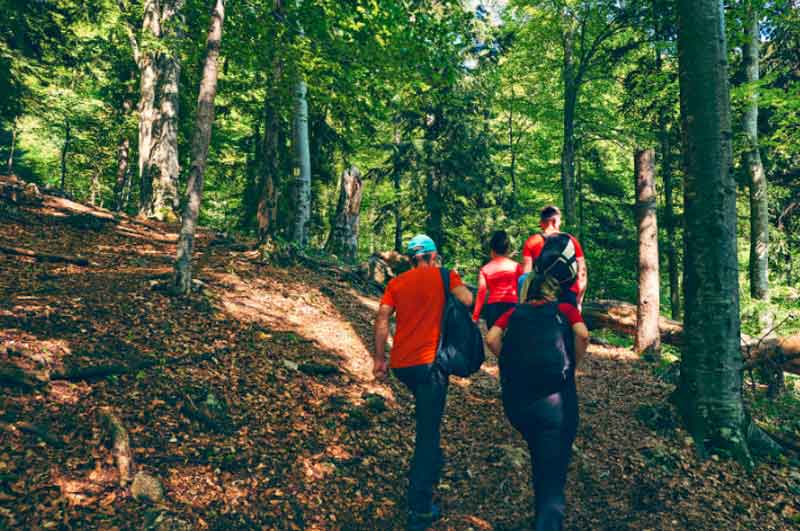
420	244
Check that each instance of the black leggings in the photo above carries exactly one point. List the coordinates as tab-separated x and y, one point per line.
549	426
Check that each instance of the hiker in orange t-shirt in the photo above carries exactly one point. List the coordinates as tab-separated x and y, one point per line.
417	299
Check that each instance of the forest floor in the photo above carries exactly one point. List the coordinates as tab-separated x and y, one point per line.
310	441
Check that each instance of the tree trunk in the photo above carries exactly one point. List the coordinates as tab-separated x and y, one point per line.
343	239
511	147
64	152
710	387
94	187
270	158
669	214
398	216
148	112
568	149
303	179
759	214
121	181
200	141
10	163
159	163
648	339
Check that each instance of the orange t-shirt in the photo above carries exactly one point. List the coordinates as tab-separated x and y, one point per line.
418	299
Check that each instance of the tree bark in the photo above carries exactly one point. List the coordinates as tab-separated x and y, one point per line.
303	155
710	388
200	141
759	213
568	148
64	152
269	158
10	163
398	215
159	107
94	187
123	172
148	112
647	340
343	239
669	215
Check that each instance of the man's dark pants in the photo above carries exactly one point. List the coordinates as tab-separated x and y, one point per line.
428	383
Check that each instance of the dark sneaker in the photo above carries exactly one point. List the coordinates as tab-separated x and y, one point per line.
418	521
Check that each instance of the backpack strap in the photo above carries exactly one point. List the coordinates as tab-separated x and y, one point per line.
445	274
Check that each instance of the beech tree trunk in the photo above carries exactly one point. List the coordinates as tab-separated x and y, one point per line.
710	388
123	172
64	153
303	154
343	239
568	148
10	163
759	214
148	112
94	187
648	339
669	214
158	110
200	141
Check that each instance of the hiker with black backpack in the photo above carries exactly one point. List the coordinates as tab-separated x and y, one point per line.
423	356
539	343
550	223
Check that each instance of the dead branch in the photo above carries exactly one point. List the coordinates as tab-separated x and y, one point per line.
33	429
43	257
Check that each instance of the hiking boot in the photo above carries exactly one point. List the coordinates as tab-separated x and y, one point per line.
418	521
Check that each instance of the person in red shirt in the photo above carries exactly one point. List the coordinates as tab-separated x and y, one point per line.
550	222
500	277
416	297
544	411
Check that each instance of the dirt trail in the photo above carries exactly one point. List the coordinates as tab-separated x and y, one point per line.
308	448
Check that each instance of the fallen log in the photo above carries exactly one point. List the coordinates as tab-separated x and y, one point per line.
43	257
32	429
621	317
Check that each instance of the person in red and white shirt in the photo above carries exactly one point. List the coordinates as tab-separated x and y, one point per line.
499	277
550	222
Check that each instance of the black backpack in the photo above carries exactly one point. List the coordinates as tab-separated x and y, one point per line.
557	259
460	351
535	360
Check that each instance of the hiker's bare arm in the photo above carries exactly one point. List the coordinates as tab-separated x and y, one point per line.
494	338
581	341
583	278
379	367
463	294
527	264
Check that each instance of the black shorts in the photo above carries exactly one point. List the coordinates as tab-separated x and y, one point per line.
493	311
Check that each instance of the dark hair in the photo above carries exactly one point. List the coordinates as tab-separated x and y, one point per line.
549	212
418	259
500	242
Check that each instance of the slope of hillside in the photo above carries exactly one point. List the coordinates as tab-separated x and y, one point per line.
300	437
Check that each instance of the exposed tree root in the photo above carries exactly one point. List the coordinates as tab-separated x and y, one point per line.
120	445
